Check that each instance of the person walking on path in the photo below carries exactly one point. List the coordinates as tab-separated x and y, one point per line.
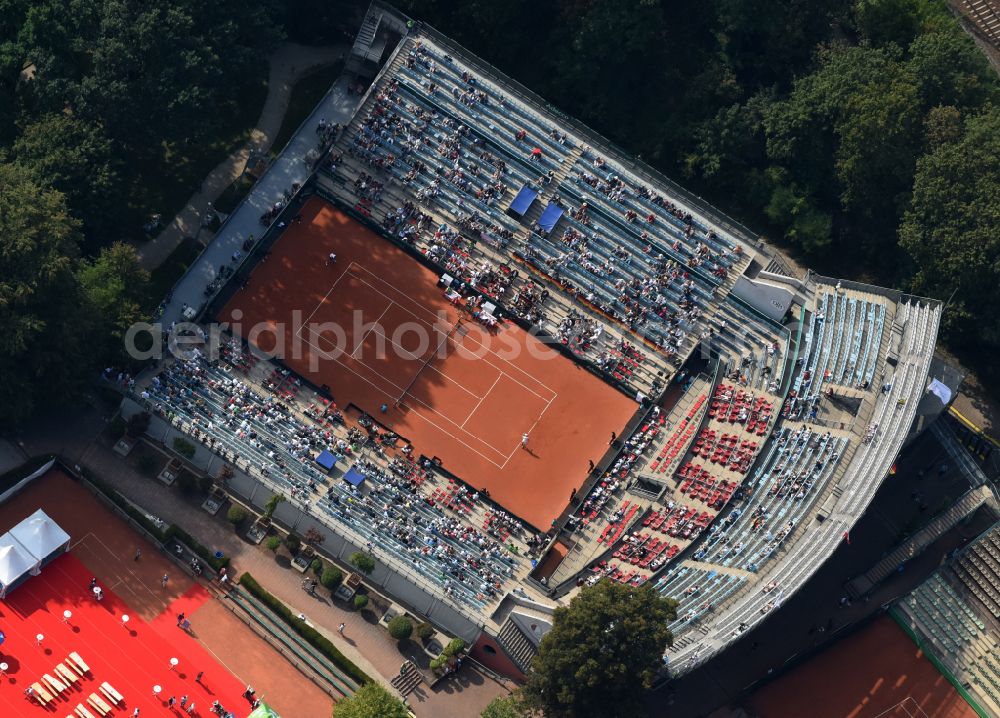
138	554
340	628
180	618
164	580
524	440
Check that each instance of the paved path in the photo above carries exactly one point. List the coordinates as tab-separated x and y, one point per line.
289	63
367	644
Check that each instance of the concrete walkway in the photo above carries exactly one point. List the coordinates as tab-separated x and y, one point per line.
364	642
74	434
289	63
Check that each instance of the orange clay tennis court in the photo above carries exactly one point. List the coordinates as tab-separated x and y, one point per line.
876	673
375	327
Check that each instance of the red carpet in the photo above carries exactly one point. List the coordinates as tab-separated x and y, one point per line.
132	659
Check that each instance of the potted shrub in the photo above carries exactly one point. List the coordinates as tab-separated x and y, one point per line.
273	544
331	577
360	601
236	515
425	631
137	424
400	628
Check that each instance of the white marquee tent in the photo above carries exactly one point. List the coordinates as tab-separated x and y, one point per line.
43	537
16	564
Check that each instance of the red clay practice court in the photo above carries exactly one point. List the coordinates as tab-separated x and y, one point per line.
875	673
132	657
375	327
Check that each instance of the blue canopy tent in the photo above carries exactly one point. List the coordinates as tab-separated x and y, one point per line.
522	202
549	217
327	460
354	477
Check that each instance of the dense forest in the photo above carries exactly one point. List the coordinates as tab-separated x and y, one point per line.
111	111
861	135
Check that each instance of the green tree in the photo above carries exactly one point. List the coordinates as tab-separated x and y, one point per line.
115	286
362	561
236	515
76	158
950	231
948	69
331	577
506	707
888	21
602	651
400	628
370	701
44	316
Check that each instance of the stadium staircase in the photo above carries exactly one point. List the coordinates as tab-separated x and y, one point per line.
519	647
538	207
408	679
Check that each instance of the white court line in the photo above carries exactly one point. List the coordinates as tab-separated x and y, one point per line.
476	407
518	446
114	555
329	355
434	326
432	409
370	330
916	707
327	295
481	345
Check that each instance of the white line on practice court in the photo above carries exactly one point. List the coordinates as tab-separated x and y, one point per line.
476	407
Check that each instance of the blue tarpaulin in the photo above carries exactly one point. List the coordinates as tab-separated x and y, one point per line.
550	216
354	477
522	202
327	460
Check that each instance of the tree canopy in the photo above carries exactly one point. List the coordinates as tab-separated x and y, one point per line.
99	101
370	701
43	309
602	650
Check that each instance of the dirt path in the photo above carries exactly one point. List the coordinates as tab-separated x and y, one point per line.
289	63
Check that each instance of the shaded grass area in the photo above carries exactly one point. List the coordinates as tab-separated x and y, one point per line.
163	182
306	94
163	278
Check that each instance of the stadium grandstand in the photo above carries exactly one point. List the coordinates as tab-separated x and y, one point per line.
761	411
954	617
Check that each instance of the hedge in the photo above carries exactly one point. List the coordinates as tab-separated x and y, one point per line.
313	637
164	535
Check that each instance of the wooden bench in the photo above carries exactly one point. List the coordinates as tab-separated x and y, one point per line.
78	663
108	690
98	704
53	683
43	696
83	712
66	674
